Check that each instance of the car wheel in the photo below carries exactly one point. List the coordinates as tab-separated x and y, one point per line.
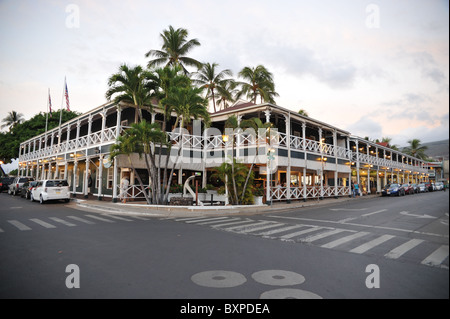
41	200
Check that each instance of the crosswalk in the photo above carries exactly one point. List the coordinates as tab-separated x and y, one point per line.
66	221
357	242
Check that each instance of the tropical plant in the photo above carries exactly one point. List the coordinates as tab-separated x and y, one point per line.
226	92
303	112
259	82
12	119
132	85
416	149
209	79
174	50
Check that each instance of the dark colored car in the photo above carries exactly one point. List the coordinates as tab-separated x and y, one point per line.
25	190
416	188
5	182
393	189
409	189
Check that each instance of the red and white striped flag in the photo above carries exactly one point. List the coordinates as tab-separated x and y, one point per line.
66	93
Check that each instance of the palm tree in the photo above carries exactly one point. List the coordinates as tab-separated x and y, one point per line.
174	50
415	149
226	92
259	82
187	103
132	85
258	126
12	119
208	78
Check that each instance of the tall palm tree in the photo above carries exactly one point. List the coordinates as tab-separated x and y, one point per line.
12	119
174	50
132	85
208	78
259	82
415	149
187	103
226	92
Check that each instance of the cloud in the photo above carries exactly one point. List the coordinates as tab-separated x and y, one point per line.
366	126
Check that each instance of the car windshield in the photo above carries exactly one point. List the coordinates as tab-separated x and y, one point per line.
405	185
421	185
25	179
393	185
56	183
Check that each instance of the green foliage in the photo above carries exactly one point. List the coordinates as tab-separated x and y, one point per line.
10	141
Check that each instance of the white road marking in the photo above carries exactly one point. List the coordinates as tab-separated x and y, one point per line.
280	230
437	257
81	220
345	239
371	244
312	238
42	223
343	221
402	249
348	209
262	227
233	223
117	217
61	221
100	218
19	225
249	225
218	221
362	225
288	236
417	216
204	219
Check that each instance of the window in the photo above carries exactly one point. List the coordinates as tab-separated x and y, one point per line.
110	177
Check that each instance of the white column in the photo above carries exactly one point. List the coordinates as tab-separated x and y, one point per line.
100	177
288	144
115	170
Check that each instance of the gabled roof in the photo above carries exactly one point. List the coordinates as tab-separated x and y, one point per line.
235	107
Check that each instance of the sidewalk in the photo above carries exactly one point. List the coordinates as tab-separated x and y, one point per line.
142	209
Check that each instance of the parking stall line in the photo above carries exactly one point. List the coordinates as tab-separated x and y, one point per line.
19	225
61	221
42	223
402	249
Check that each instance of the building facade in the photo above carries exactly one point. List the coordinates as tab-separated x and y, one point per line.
299	158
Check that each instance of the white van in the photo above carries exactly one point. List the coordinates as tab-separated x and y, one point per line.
53	189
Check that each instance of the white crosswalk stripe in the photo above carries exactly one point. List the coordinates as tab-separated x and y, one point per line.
218	221
312	238
118	217
232	223
62	221
248	225
302	232
437	256
371	244
81	220
404	248
42	223
279	230
344	240
101	218
19	225
204	220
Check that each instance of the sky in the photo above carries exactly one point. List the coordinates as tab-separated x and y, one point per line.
373	68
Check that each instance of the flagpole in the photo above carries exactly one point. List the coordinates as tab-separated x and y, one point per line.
60	111
46	113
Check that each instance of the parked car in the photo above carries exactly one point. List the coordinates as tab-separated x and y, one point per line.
422	188
25	190
14	187
393	189
53	189
5	182
439	186
409	189
431	186
416	188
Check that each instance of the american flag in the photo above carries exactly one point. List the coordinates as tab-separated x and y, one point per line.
66	93
49	103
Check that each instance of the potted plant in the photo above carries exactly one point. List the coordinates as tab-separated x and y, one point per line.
258	194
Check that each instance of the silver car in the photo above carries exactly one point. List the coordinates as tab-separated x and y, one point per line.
15	187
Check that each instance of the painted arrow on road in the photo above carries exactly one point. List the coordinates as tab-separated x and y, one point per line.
417	216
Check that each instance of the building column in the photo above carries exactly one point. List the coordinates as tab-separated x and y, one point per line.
288	144
86	176
74	180
115	171
100	177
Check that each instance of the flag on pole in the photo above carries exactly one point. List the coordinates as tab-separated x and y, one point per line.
66	93
49	103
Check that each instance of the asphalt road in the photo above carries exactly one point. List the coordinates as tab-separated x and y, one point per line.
366	248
